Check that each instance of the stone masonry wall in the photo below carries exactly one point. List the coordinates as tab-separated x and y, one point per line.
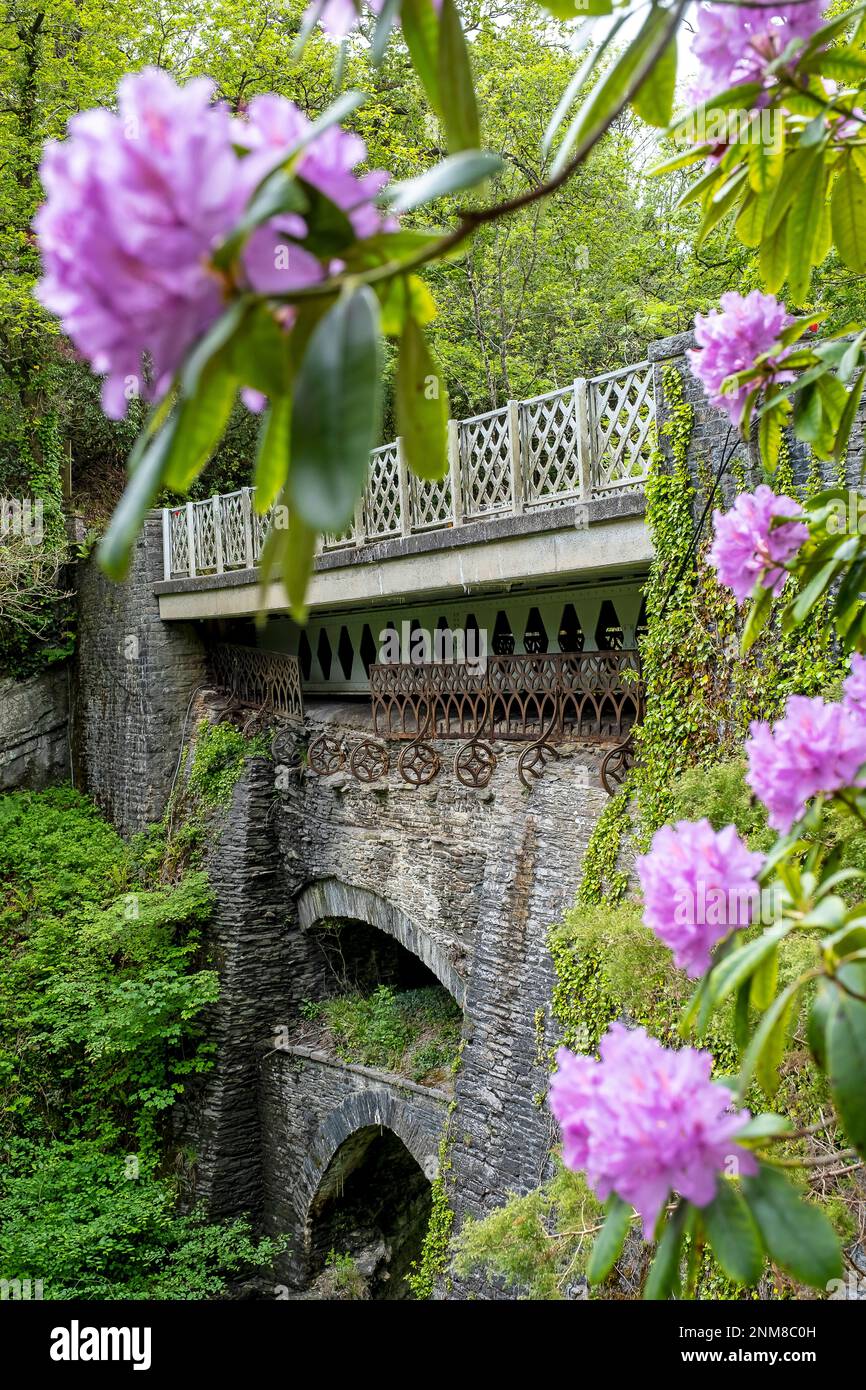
135	676
34	730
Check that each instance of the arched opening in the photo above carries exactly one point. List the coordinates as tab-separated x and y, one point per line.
368	1218
374	1003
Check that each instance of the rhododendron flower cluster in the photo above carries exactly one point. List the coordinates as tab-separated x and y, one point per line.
699	884
729	341
747	547
854	689
136	203
816	747
735	43
646	1121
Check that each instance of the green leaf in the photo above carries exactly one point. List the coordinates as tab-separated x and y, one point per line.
273	452
456	83
457	172
767	1045
200	422
797	1235
770	438
742	962
773	257
764	981
848	213
764	1126
818	1019
664	1273
336	411
388	16
421	32
760	613
288	554
138	497
654	101
421	402
804	223
610	1240
846	1065
620	83
767	158
260	353
329	231
733	1235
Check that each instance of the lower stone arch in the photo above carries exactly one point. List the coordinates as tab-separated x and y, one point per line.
360	1111
330	898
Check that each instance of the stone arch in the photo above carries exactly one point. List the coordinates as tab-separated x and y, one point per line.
329	898
365	1109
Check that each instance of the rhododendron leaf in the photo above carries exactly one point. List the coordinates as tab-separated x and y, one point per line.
259	354
421	403
770	1033
421	32
750	221
767	157
770	437
738	98
741	1016
216	338
456	84
402	297
388	16
848	416
846	1058
614	86
762	1127
386	247
329	231
760	612
804	221
733	1235
288	554
610	1240
796	1234
764	981
578	79
336	410
272	454
773	255
720	205
201	422
138	497
664	1272
453	175
681	161
742	962
768	1064
655	97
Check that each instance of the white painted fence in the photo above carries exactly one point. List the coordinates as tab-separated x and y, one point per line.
590	439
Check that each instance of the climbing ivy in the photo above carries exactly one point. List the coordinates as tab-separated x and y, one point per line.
435	1251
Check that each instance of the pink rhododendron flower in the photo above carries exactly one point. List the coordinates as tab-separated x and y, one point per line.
747	547
736	43
699	884
136	203
645	1121
730	340
854	697
816	747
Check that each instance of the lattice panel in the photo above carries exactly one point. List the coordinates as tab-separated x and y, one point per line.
382	498
549	448
261	526
266	680
621	411
204	531
178	542
515	697
431	504
234	531
339	540
485	460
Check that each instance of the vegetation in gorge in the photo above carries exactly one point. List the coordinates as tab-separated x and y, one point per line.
102	991
415	1032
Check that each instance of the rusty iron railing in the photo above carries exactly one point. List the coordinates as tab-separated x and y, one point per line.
263	679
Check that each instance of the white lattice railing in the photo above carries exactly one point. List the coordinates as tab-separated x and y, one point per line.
588	440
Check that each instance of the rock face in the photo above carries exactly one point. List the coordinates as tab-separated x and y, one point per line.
34	730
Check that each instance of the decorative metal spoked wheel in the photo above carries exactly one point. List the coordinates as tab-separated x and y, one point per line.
616	764
474	764
284	747
369	760
418	764
325	755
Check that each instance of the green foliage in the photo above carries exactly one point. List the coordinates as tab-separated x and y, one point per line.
348	1280
538	1245
436	1247
601	879
416	1032
102	989
219	756
93	1225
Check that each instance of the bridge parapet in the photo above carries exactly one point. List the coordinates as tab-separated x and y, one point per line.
590	440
